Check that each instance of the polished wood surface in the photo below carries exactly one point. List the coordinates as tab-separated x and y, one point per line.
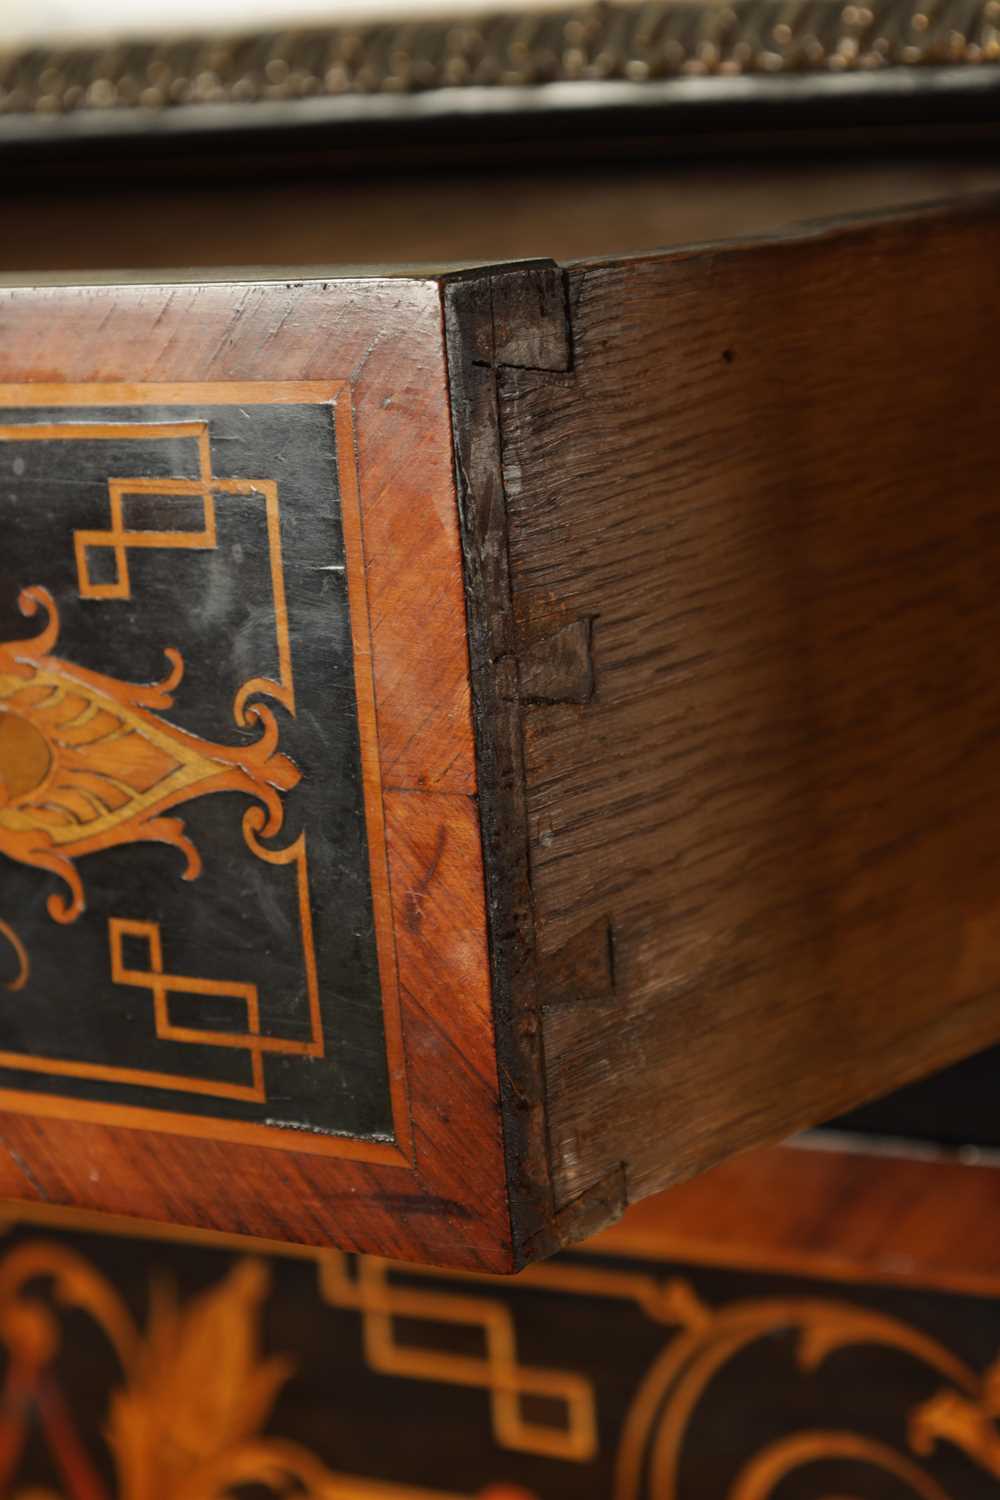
437	1190
884	1213
310	220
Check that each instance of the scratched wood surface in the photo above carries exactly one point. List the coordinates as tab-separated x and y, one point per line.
752	529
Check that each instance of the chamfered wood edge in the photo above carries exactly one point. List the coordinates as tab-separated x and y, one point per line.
471	359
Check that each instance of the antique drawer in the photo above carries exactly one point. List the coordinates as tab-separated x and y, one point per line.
476	748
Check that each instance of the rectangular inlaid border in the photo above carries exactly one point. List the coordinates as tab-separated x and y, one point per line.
336	394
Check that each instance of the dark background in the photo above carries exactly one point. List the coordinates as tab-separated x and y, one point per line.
239	921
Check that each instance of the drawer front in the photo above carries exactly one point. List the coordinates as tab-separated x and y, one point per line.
244	934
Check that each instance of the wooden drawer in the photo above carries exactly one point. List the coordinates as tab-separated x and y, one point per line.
480	747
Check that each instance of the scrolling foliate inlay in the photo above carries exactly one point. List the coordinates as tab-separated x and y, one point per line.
132	538
85	764
163	1369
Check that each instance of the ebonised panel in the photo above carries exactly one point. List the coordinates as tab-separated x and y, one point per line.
186	894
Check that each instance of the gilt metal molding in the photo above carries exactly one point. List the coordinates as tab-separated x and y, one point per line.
637	44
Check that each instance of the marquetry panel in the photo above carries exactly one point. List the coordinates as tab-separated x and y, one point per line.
235	929
631	1371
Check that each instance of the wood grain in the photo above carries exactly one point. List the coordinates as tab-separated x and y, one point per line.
295	213
769	482
444	1198
850	1214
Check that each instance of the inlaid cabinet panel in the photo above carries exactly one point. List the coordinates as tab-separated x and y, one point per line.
654	1361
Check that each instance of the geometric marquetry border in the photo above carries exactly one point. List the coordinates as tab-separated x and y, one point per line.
337	395
408	1316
